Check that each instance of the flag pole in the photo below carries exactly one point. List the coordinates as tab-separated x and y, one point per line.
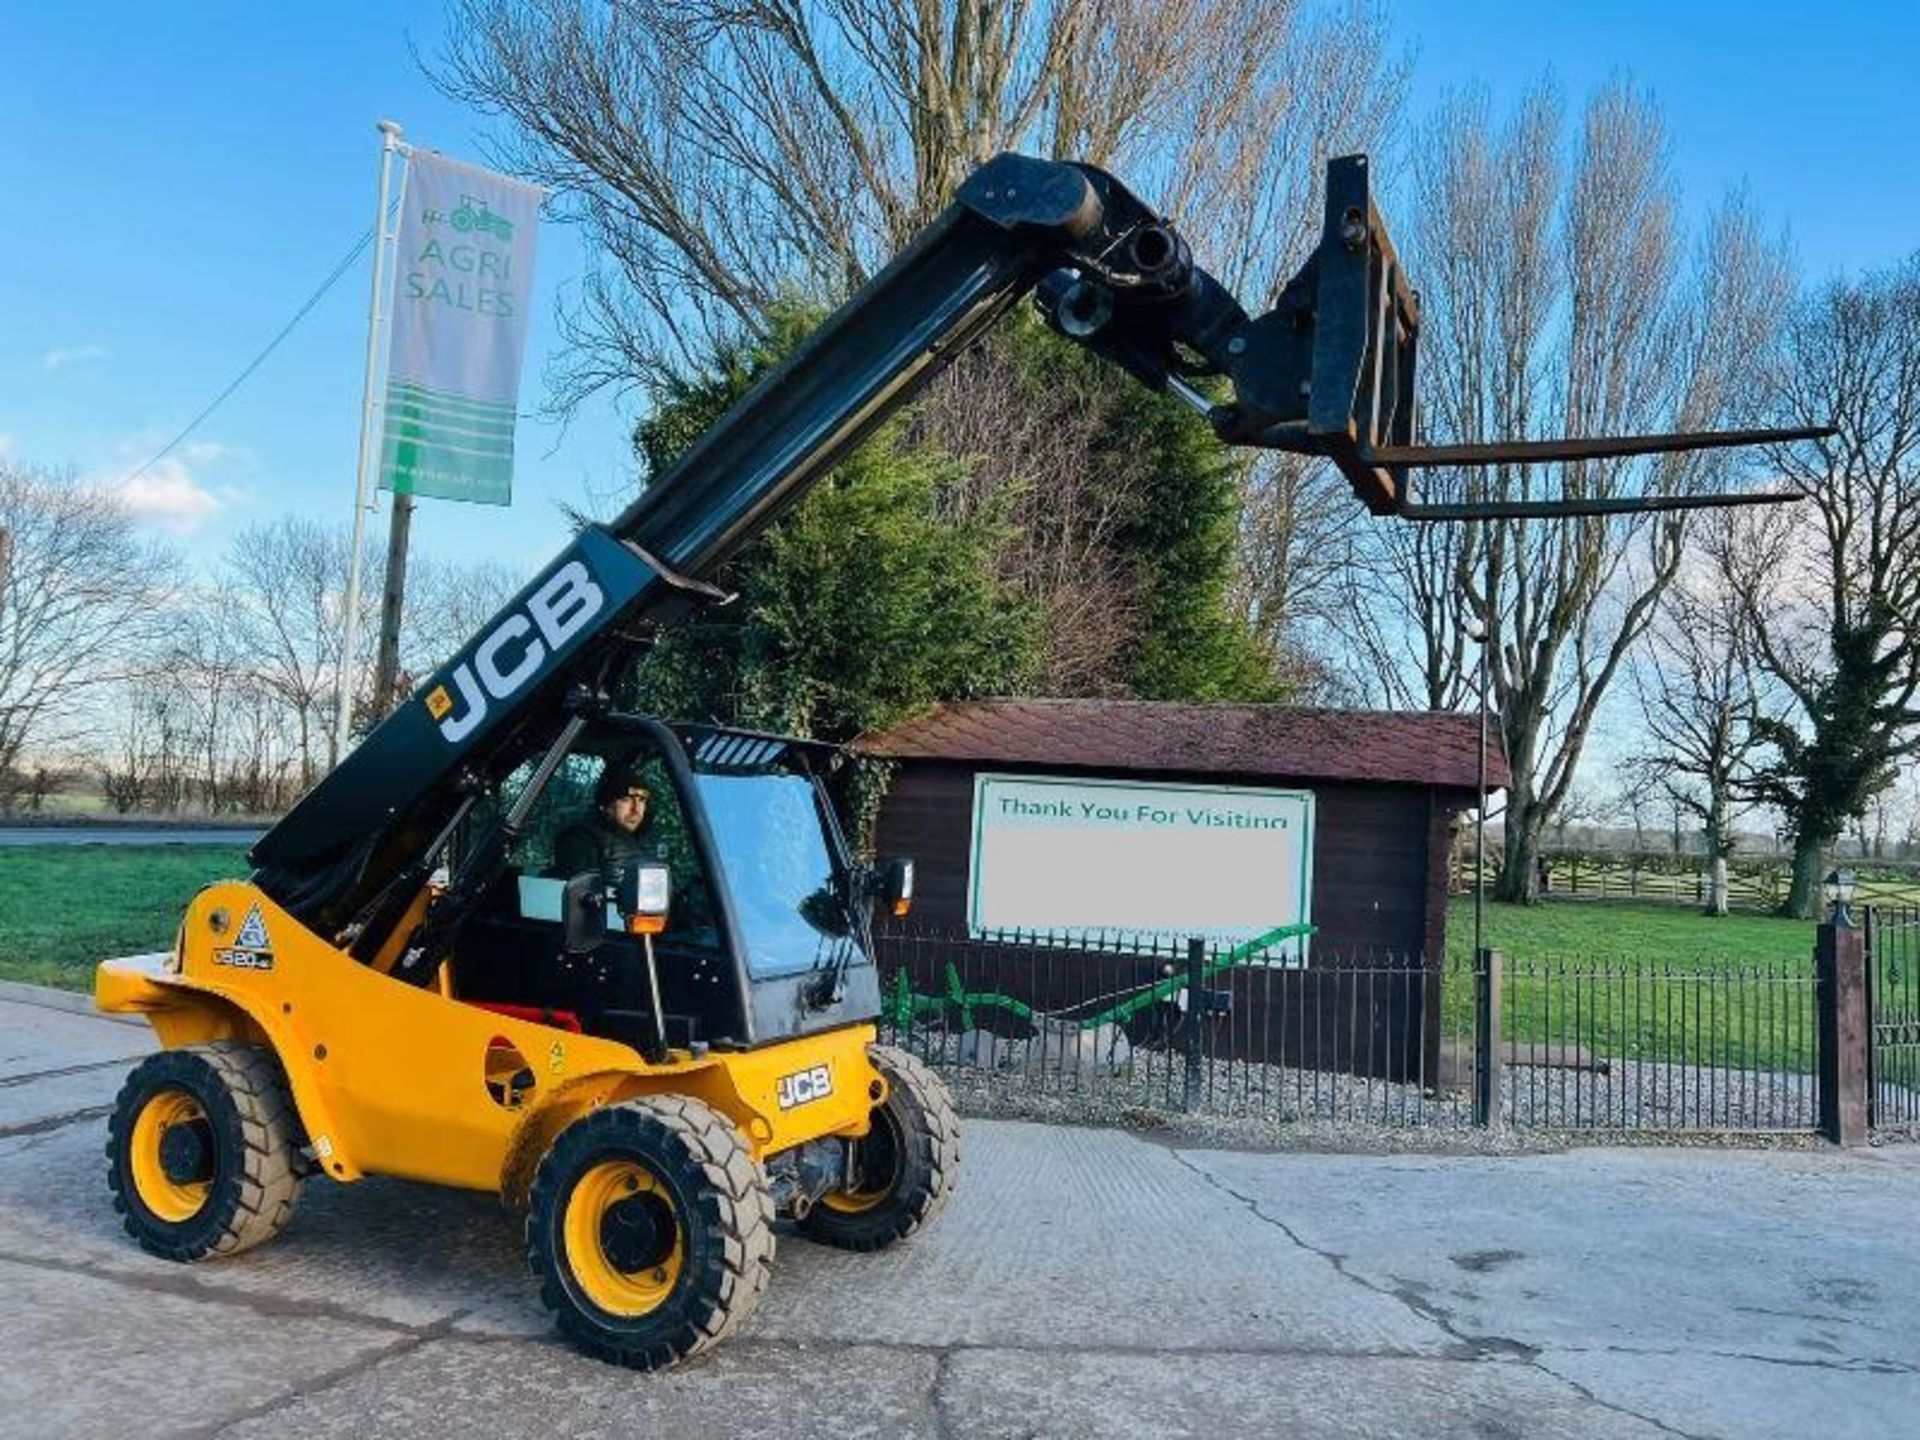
362	498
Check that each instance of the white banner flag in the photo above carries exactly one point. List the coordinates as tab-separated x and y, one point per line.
465	278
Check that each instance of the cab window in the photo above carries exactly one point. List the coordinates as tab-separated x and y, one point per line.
569	829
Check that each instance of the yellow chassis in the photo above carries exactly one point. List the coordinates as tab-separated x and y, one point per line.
391	1079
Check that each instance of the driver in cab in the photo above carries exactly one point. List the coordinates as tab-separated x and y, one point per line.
614	835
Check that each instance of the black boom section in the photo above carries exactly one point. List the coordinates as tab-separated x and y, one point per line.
397	786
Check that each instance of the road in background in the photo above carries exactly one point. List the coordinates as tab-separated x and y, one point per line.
1083	1283
123	835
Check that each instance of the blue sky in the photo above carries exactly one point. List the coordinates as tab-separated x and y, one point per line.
178	178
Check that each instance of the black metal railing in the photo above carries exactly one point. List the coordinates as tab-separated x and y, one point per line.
1637	1044
1104	1026
1893	1017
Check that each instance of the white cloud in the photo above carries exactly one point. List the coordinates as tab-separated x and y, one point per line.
169	497
6	444
59	359
172	494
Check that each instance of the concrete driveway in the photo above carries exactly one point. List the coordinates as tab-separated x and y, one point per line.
1083	1283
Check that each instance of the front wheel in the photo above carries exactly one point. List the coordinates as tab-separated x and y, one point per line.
905	1168
650	1229
203	1151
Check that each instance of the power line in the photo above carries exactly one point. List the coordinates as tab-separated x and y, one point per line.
254	364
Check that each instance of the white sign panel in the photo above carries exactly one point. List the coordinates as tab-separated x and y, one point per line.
1067	858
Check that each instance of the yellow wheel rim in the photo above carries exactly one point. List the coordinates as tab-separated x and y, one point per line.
624	1238
877	1159
169	1199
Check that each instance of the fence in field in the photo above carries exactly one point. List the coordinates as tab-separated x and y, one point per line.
1754	882
1111	1025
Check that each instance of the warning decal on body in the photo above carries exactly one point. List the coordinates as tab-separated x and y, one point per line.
251	948
253	932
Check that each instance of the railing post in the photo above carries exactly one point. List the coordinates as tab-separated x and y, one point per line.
1487	1051
1196	1007
1868	929
1840	995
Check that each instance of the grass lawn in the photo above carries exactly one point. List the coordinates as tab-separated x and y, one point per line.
1621	931
65	908
1659	982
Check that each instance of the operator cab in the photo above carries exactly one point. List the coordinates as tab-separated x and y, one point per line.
766	933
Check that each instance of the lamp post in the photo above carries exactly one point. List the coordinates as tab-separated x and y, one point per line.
1486	965
1839	886
1477	632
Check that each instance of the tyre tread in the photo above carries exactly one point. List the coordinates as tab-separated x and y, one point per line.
936	1142
263	1134
736	1203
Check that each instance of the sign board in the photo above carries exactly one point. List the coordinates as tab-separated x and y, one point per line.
461	298
1066	860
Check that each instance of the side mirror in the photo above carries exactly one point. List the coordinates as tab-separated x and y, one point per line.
583	911
896	887
644	894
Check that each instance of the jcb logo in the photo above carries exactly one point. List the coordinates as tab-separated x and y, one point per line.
805	1085
514	651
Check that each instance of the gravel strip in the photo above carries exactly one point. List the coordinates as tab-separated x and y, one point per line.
1245	1104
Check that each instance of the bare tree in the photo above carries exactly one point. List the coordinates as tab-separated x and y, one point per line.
80	604
1632	798
1025	462
123	778
722	154
156	753
210	659
1558	299
1832	587
287	588
1699	694
447	603
1407	622
1294	583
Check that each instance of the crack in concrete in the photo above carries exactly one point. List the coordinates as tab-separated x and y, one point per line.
1593	1398
1123	1351
1495	1348
1480	1346
944	1425
320	1384
184	1286
1862	1365
1812	1316
8	1081
55	1122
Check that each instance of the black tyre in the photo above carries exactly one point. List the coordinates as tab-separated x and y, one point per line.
906	1167
203	1151
650	1229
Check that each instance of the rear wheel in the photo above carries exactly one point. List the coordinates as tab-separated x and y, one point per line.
650	1229
905	1168
203	1151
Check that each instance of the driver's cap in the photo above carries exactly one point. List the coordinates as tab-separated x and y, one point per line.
619	783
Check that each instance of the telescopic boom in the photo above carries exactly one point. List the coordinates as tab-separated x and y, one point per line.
1329	371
